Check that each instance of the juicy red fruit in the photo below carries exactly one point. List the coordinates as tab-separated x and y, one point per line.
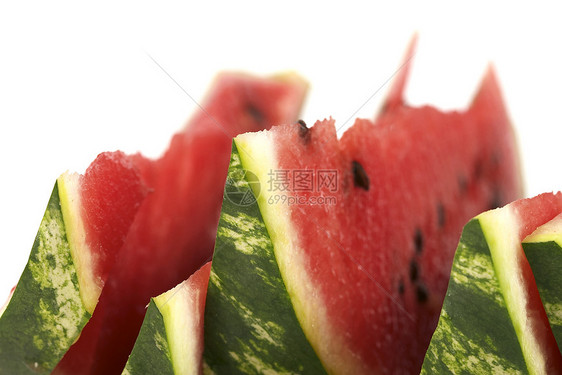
381	257
420	211
173	233
110	188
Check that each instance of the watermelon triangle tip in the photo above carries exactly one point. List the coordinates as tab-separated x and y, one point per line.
490	72
395	96
488	92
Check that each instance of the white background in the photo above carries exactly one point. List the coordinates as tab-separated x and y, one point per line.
76	80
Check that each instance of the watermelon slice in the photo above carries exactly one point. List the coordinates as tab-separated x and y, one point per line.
493	320
349	243
129	211
60	285
171	338
102	205
163	235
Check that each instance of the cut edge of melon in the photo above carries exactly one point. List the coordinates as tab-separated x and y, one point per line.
501	231
69	193
258	155
548	232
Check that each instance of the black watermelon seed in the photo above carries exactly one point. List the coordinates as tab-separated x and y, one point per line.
418	240
421	293
440	215
360	178
401	287
495	201
413	270
256	114
304	131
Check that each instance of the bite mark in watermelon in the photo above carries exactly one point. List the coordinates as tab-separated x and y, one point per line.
366	271
493	320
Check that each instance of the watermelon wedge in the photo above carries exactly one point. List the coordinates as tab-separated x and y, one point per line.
349	243
60	285
171	338
101	207
129	211
493	319
163	235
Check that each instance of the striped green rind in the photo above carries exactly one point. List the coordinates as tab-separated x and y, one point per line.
544	254
151	353
170	341
475	334
250	324
46	314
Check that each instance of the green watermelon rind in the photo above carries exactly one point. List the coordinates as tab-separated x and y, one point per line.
501	228
90	284
258	154
46	313
167	342
250	324
490	322
466	340
151	353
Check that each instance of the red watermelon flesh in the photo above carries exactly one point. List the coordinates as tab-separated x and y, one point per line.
395	96
452	176
106	197
111	191
197	285
173	233
102	205
406	185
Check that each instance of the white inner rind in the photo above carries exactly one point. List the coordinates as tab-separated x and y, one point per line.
179	309
258	155
548	232
501	230
69	195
